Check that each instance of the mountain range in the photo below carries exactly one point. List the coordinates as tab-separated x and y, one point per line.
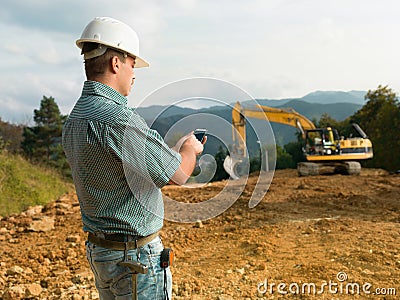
323	97
171	121
339	105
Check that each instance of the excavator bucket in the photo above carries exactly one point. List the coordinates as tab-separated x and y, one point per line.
236	167
230	166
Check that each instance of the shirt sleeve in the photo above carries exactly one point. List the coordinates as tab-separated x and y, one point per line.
144	153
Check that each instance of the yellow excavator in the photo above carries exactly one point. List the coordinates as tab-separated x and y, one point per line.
323	146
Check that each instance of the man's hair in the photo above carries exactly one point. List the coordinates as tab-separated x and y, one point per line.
97	66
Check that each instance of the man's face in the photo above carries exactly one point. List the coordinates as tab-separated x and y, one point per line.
127	76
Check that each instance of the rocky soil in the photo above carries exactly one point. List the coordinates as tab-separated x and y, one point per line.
320	237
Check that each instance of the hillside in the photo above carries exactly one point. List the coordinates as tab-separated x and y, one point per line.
338	111
338	229
330	97
23	184
321	97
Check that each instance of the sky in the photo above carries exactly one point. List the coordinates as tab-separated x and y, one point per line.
271	49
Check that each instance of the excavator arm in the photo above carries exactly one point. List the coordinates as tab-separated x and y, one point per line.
239	116
277	115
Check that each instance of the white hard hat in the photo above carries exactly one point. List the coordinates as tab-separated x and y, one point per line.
111	33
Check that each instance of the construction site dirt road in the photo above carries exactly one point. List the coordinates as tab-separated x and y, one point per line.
318	237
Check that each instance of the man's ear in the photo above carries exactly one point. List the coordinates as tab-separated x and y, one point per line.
115	64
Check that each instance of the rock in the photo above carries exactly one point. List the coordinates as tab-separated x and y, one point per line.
15	270
70	253
4	234
33	210
43	224
50	254
175	289
74	238
199	224
32	290
63	206
368	272
58	291
64	198
15	292
94	295
309	230
261	267
240	271
82	277
302	186
45	283
225	297
60	272
238	218
76	297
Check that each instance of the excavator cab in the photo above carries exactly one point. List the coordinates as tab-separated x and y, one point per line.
321	141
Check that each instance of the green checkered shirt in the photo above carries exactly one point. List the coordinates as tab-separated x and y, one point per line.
118	163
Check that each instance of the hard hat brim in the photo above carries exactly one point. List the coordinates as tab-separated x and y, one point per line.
139	61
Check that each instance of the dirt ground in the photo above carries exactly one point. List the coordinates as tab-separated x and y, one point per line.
319	237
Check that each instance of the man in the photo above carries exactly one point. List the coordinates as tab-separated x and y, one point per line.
118	166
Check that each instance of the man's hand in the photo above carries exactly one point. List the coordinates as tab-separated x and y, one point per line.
190	141
188	147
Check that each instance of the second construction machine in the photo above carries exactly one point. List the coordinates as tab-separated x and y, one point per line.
322	146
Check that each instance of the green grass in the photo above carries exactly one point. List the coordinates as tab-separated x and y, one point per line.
23	184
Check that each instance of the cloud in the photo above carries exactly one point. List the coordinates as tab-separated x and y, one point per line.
274	48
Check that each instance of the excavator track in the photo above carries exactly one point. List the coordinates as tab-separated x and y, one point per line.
313	169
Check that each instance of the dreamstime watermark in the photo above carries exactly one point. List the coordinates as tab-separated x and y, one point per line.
141	165
338	286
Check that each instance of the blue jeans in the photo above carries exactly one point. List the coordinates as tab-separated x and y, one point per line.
115	282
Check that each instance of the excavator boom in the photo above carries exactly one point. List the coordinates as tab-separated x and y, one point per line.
277	115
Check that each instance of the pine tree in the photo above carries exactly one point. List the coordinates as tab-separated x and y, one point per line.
42	142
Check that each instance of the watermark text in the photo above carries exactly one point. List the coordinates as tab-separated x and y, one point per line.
338	286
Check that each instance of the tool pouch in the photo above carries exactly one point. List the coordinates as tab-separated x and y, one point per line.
167	258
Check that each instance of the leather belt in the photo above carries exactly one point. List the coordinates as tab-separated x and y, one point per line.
120	237
115	245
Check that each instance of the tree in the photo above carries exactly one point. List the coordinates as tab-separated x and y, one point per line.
295	150
11	135
284	160
220	173
327	121
43	142
2	145
380	119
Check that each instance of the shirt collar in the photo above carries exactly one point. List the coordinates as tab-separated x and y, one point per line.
103	90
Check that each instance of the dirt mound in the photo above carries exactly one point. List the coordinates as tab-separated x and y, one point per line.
318	237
